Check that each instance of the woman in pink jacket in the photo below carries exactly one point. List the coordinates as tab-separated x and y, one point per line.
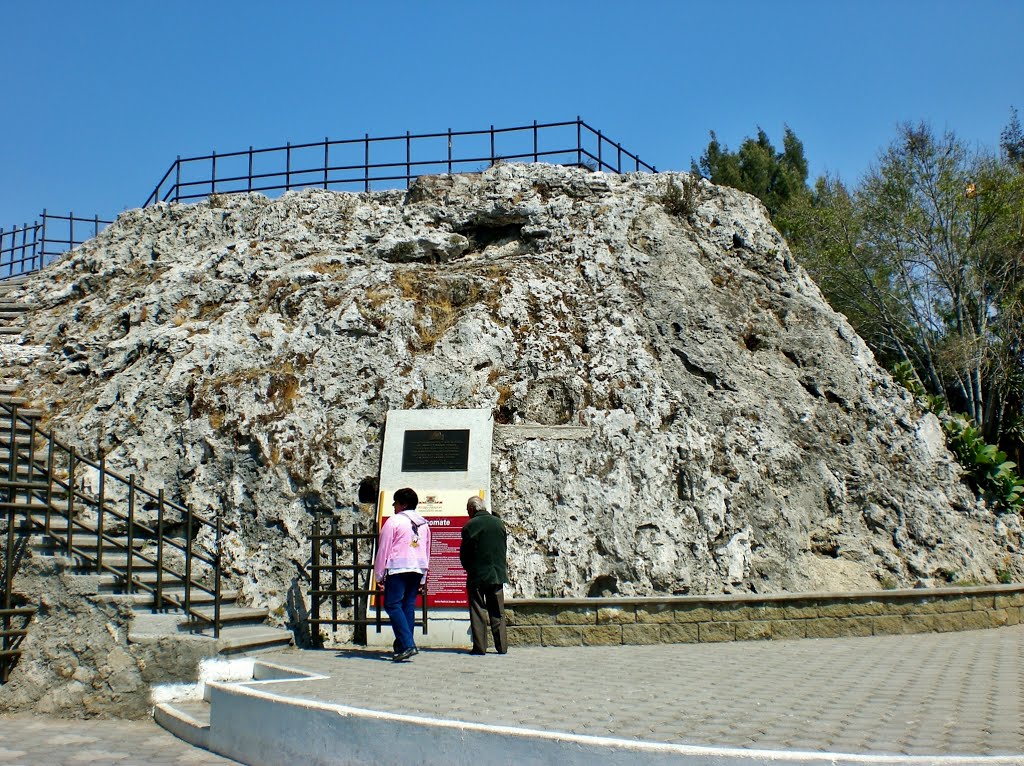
403	556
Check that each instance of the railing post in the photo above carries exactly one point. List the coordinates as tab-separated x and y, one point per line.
535	141
250	168
213	174
327	163
366	161
129	585
334	568
99	515
30	471
408	160
71	235
11	473
493	159
41	240
72	464
579	141
177	178
216	578
12	455
49	483
160	551
314	601
288	167
600	162
449	151
188	557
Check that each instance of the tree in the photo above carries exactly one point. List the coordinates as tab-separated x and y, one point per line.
925	257
757	168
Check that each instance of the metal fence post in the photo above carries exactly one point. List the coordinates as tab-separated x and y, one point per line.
288	167
188	556
177	178
493	159
99	515
159	602
216	578
42	241
579	141
327	163
535	141
213	174
250	168
128	584
314	600
408	158
72	462
366	161
449	151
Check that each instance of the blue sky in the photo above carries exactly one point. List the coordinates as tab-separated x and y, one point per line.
100	97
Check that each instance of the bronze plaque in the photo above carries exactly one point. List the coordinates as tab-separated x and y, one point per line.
435	450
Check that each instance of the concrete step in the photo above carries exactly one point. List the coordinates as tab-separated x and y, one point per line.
234	615
144	600
187	720
238	639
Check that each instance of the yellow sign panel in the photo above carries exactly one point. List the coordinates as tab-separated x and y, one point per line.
439	502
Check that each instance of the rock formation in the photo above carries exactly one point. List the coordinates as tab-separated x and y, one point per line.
678	409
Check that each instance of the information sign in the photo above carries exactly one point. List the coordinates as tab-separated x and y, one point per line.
445	512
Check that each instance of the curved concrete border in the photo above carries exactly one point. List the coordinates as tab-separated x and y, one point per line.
255	726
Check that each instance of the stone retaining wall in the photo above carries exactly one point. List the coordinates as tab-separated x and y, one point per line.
699	619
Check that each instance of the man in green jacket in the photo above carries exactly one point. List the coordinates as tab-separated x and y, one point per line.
482	555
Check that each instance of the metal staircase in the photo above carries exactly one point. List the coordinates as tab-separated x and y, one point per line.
157	553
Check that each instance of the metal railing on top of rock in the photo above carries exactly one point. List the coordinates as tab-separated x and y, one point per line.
369	163
374	163
29	247
43	490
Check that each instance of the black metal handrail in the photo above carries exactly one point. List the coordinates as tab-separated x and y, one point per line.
342	579
45	482
13	629
397	159
31	246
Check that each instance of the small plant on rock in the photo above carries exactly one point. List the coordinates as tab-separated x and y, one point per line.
681	199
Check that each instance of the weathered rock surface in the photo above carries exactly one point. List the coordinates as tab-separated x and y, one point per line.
77	660
679	410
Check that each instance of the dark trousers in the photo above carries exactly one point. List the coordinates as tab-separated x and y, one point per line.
487	606
400	603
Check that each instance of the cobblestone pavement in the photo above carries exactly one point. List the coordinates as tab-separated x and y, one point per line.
27	740
932	694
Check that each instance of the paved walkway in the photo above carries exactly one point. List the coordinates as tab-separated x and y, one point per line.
41	741
925	695
928	694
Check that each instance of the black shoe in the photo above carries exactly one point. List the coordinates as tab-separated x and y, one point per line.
404	655
477	651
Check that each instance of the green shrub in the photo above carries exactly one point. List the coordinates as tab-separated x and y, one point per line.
986	465
988	470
